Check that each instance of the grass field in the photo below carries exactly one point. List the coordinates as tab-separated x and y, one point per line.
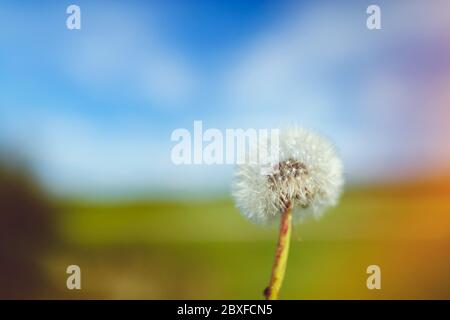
206	250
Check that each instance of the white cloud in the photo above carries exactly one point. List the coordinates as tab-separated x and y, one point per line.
121	50
294	71
287	63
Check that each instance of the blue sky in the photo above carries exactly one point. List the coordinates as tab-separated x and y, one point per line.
93	109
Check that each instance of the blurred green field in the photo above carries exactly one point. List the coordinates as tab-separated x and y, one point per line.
207	250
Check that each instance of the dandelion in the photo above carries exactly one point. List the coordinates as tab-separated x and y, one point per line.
306	179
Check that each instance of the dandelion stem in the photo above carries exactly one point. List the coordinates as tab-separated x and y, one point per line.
281	255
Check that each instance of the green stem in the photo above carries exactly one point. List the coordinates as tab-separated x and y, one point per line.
281	255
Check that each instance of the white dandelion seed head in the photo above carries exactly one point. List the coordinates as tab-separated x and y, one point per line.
308	175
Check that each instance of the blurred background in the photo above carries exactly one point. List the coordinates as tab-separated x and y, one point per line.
86	118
